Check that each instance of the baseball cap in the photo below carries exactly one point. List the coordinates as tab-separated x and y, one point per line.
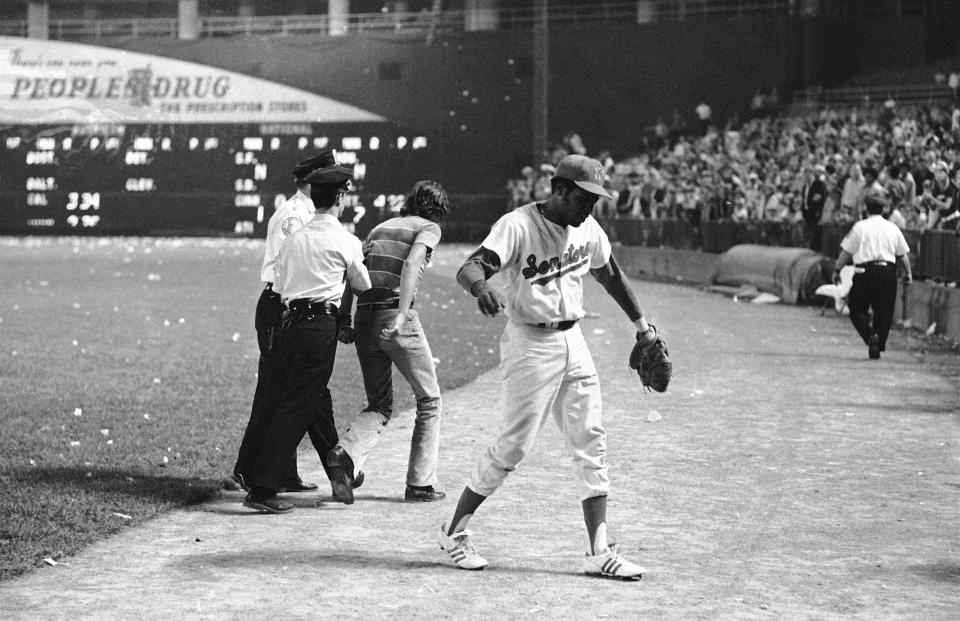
586	172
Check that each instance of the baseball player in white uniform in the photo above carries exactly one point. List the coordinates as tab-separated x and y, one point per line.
544	250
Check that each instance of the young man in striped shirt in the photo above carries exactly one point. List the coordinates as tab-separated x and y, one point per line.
388	332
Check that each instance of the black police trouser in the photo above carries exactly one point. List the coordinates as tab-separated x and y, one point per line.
875	288
306	353
266	398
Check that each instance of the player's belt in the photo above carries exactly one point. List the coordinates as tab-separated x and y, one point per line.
874	264
557	325
305	310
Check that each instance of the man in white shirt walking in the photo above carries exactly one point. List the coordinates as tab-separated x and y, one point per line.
874	246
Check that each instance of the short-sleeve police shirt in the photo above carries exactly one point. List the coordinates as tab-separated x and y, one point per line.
315	261
290	216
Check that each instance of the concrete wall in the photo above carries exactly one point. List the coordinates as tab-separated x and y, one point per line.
926	302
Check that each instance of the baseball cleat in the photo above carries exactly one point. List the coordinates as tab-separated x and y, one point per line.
459	547
610	564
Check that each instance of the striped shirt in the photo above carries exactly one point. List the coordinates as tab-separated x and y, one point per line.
385	250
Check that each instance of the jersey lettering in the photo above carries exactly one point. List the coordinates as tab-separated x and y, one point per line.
574	257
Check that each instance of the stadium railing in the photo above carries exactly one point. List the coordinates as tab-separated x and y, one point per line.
615	12
934	254
902	94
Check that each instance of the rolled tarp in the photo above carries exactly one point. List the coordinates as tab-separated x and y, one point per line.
792	274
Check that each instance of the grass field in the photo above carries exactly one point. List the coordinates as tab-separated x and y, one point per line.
127	368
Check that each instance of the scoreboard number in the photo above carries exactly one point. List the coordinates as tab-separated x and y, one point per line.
83	201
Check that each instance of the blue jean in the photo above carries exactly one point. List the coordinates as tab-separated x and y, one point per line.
411	354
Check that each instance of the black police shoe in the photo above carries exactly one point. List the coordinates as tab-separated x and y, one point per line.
341	475
297	486
267	504
425	493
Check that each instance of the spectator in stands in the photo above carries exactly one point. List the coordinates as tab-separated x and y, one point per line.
703	112
940	76
851	195
941	199
541	186
678	126
814	198
574	144
901	172
775	208
871	185
628	204
757	103
924	169
740	212
773	99
953	82
893	211
521	190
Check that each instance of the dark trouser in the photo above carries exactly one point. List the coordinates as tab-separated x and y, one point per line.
306	353
876	288
814	234
269	384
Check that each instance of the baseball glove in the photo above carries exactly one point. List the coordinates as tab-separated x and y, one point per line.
651	361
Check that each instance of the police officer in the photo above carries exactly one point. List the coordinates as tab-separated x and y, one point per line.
290	216
874	246
311	268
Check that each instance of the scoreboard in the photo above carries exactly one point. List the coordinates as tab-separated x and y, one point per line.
214	179
105	141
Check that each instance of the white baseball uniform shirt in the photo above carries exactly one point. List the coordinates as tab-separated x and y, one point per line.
289	216
544	263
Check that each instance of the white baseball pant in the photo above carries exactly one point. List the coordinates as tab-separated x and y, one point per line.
546	371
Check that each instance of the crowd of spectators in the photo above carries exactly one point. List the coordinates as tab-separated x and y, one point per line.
813	167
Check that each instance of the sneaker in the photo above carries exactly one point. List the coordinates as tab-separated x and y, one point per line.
426	493
460	548
267	504
873	347
610	564
341	475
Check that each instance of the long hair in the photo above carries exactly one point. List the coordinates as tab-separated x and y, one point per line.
428	200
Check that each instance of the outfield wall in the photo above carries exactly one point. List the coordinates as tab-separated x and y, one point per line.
927	302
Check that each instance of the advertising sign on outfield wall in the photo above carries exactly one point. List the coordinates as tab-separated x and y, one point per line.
43	82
